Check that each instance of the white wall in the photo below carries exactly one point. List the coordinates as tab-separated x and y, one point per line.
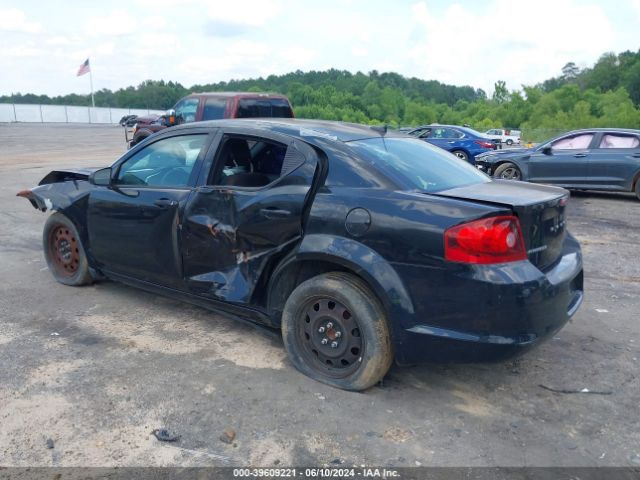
10	112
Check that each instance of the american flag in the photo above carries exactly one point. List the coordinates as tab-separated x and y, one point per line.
84	68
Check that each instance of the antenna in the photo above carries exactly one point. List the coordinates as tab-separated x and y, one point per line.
380	128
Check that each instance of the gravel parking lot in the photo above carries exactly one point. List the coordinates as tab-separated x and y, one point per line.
96	369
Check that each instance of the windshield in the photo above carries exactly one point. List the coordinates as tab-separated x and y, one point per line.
417	164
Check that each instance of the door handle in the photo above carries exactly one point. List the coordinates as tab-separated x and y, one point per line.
580	155
164	202
273	212
636	155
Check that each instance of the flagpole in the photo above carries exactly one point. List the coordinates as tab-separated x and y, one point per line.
93	103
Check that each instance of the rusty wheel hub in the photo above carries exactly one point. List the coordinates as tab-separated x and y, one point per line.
64	250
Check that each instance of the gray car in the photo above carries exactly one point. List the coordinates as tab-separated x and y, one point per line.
590	159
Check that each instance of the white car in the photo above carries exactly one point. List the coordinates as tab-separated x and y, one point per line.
505	135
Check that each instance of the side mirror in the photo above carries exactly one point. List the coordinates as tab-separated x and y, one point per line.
171	117
547	150
101	177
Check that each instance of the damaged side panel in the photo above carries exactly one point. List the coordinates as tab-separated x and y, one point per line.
56	196
59	189
65	191
231	237
69	197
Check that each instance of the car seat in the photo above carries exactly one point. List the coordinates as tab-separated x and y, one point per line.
237	161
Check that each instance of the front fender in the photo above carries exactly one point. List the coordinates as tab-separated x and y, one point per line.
56	196
362	261
67	197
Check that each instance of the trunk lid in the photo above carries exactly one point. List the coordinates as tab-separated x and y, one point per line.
539	208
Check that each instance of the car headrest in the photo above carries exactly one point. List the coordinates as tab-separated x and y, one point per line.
238	153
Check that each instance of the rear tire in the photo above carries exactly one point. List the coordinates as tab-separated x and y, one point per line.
509	142
461	155
335	331
508	171
64	252
637	189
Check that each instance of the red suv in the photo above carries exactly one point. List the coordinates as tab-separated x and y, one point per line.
199	107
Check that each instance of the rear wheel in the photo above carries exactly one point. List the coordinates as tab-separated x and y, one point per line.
508	171
509	142
461	155
335	331
64	252
637	189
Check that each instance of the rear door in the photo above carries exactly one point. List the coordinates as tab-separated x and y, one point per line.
614	161
566	164
246	214
134	224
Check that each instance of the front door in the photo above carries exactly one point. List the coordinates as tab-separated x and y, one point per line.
566	164
246	215
134	224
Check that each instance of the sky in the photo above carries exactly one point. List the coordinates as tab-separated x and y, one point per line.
463	42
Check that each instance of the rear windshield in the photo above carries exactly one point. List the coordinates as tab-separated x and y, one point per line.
472	131
257	107
416	164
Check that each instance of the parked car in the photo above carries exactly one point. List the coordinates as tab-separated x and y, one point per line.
199	107
591	159
464	142
361	245
504	135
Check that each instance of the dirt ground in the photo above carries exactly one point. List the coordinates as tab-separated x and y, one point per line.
96	369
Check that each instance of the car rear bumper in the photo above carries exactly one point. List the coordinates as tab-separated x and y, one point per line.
490	313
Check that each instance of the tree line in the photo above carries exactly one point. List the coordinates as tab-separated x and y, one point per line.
607	94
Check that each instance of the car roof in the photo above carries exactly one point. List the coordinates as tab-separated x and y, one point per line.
300	128
468	130
603	129
236	95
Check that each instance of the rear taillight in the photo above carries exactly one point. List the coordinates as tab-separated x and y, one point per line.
488	240
484	144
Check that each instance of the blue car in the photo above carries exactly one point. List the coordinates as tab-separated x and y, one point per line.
464	142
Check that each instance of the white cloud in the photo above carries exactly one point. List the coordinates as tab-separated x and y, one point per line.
245	12
118	22
20	51
200	41
14	20
359	52
62	41
473	48
155	22
105	49
151	45
298	55
239	60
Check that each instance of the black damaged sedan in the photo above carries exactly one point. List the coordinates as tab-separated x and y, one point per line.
362	246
